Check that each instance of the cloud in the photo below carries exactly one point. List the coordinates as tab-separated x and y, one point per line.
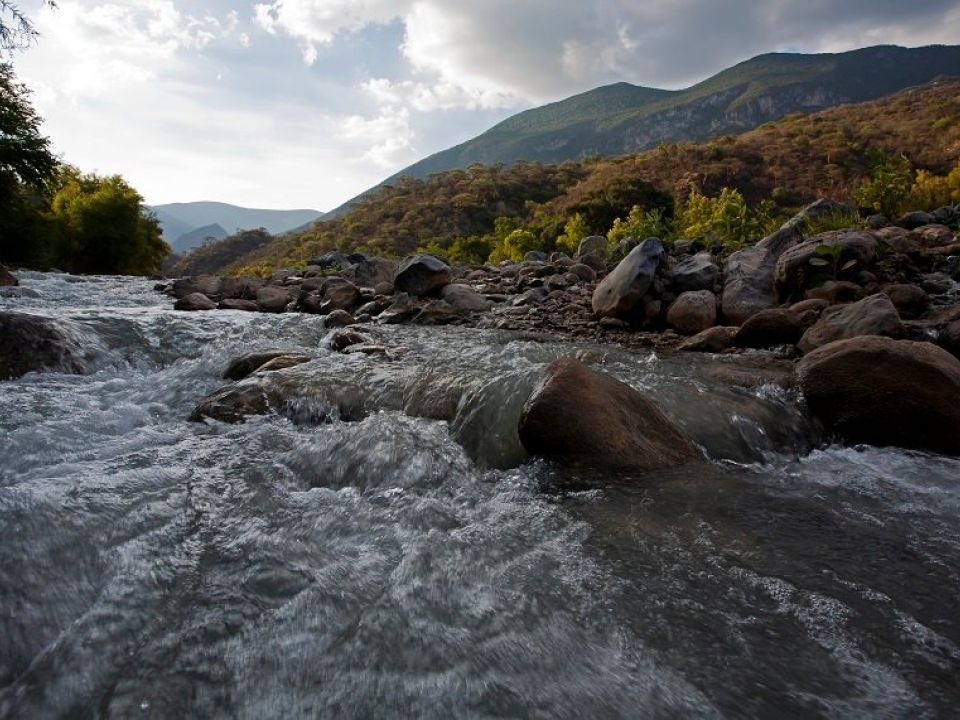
500	52
388	137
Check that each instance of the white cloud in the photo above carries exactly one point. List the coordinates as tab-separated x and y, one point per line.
388	137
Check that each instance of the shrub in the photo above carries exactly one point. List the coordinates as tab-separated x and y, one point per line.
573	232
514	246
726	217
891	179
640	224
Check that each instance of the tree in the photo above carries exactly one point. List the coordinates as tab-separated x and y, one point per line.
24	153
102	226
16	30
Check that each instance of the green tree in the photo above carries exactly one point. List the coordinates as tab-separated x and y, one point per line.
640	224
574	231
891	179
102	226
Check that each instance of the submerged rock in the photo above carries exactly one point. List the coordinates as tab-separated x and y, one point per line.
881	391
30	343
620	294
232	404
193	302
246	365
578	415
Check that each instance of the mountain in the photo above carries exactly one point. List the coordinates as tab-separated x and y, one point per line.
179	219
197	237
624	118
787	163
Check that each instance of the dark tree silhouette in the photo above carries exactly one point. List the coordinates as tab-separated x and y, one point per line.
16	30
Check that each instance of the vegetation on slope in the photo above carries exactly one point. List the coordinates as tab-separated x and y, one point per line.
773	169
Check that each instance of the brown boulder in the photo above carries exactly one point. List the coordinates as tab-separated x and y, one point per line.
7	278
882	391
909	300
245	365
768	328
578	415
30	343
238	304
620	293
274	298
232	404
194	301
874	315
713	340
693	312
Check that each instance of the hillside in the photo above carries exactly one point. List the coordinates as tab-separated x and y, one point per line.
212	257
790	162
624	118
185	219
199	236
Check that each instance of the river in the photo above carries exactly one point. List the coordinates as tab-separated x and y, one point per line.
392	564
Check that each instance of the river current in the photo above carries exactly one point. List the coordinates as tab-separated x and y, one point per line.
394	564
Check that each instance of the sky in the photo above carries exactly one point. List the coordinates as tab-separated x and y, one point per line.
307	103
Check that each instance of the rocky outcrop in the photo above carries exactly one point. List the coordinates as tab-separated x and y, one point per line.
578	415
30	343
620	294
881	391
422	275
693	312
874	315
193	302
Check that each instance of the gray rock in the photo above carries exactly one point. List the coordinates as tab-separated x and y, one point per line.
338	318
595	245
748	285
937	283
874	315
246	365
463	298
913	220
7	278
232	404
238	304
535	255
695	273
195	301
584	272
274	299
17	291
367	271
693	312
713	340
422	275
621	292
797	269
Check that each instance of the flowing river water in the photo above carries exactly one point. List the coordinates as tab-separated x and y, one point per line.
410	561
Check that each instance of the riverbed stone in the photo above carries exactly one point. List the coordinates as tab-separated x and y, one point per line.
882	391
274	298
464	299
580	416
620	293
338	318
233	404
770	328
874	315
712	340
422	275
248	364
692	312
238	304
193	302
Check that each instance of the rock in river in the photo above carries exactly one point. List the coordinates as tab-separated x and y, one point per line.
422	275
30	343
882	391
195	301
579	415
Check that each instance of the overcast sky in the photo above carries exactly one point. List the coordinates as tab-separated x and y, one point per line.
305	103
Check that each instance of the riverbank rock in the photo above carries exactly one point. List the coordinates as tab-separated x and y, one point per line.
593	245
748	284
30	343
274	298
874	315
693	312
422	275
193	302
238	304
7	278
581	416
463	298
881	391
769	328
800	267
712	340
695	273
620	293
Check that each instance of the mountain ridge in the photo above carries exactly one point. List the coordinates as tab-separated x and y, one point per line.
623	118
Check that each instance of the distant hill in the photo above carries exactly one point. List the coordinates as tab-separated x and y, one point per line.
198	237
213	256
624	118
789	162
182	219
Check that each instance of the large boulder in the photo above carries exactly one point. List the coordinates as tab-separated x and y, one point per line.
7	278
620	293
274	298
874	315
368	271
578	415
422	275
693	312
915	219
30	343
882	391
340	294
698	272
806	264
193	302
748	284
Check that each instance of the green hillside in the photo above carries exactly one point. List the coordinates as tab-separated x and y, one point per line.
623	118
